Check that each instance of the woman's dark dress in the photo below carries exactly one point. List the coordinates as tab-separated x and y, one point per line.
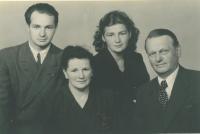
69	118
124	84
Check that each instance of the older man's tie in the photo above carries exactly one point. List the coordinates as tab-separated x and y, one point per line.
163	98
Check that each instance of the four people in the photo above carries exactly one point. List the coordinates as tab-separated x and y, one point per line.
169	102
117	65
95	94
27	72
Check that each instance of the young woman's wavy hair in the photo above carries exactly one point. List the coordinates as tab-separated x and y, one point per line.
112	18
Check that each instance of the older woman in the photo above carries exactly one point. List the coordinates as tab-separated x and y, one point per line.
117	65
78	108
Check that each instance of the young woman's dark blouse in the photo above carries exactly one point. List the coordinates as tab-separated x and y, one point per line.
124	84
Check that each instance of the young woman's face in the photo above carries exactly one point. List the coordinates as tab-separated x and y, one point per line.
116	37
79	73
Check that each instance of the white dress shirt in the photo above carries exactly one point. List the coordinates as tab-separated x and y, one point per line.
170	81
43	53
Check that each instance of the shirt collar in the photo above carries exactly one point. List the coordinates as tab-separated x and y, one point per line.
43	53
170	79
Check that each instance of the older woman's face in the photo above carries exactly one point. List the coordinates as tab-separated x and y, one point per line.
79	73
116	37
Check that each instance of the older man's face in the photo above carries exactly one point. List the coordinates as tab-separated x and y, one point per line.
163	56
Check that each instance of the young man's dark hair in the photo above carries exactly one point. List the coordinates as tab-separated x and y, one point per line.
42	8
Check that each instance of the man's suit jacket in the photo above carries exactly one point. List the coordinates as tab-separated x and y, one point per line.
22	87
182	111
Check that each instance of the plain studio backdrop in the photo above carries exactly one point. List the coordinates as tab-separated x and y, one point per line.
78	22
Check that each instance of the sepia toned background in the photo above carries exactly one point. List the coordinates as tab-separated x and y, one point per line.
78	22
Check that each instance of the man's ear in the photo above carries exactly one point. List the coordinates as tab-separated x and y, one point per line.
178	50
27	27
65	73
103	38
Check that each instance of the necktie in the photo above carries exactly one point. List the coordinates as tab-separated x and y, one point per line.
163	98
38	60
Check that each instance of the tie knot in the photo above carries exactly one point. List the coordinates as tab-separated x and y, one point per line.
38	58
164	84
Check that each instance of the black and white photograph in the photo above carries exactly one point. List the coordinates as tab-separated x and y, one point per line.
99	67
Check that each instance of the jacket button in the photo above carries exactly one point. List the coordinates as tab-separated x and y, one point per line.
134	100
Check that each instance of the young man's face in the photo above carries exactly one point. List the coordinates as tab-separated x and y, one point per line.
163	55
41	30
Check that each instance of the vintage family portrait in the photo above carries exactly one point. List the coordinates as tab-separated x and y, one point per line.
99	67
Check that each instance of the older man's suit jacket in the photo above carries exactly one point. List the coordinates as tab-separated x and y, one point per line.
22	87
182	111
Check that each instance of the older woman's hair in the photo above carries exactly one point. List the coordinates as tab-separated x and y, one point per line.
112	18
71	52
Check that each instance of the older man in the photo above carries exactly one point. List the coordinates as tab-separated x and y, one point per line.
169	102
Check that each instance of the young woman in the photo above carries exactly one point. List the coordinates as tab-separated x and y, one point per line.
117	65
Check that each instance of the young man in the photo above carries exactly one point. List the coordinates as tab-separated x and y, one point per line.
27	73
169	102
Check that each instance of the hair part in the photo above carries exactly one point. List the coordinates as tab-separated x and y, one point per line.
161	32
112	18
41	8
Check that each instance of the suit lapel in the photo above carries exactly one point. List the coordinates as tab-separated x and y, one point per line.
45	74
26	69
26	61
155	106
178	95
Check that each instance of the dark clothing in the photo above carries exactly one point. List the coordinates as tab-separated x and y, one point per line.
69	118
124	84
107	73
22	86
181	113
